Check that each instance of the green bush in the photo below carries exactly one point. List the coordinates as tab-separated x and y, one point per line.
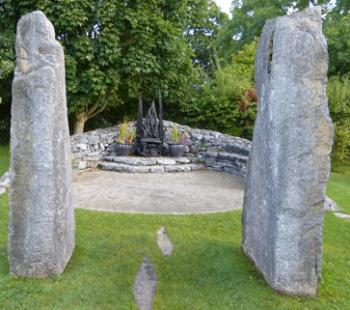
338	91
227	102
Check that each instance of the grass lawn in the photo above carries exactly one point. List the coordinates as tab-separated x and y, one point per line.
207	269
4	158
339	188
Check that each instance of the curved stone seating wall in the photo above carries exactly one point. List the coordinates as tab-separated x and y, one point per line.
215	150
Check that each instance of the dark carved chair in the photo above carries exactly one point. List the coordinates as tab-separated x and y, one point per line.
150	130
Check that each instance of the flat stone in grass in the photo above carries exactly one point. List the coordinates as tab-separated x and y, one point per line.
342	215
145	285
330	205
41	224
164	243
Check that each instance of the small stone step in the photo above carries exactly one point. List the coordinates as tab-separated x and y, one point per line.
146	161
113	166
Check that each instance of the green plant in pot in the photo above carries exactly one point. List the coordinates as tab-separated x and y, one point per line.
124	140
178	142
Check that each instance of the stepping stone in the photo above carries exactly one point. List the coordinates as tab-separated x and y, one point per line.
342	215
145	285
330	205
164	242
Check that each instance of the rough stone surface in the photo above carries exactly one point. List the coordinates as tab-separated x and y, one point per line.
164	243
132	164
195	192
289	162
41	225
145	285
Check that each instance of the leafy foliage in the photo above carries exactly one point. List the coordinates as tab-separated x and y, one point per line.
228	102
338	36
248	19
113	49
126	134
175	134
338	92
202	32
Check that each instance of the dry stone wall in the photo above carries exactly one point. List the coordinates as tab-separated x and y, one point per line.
216	150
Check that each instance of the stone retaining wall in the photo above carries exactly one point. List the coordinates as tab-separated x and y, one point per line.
216	150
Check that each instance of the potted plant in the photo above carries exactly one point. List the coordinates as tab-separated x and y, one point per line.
124	140
178	142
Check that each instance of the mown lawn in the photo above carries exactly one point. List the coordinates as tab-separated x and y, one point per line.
339	188
4	158
206	271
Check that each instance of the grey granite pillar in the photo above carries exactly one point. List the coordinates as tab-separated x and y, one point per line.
289	162
41	225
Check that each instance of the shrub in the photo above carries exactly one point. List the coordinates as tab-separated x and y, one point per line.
175	134
227	103
338	91
125	135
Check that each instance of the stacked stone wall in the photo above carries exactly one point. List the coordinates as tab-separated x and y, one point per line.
216	150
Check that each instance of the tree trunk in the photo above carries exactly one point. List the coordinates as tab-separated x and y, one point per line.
83	116
79	122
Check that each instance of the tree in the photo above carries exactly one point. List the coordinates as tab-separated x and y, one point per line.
338	38
202	31
113	50
227	103
89	31
248	19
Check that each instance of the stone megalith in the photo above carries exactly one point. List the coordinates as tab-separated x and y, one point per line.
41	224
289	162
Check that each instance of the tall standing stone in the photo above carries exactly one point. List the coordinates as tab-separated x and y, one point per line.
290	158
41	226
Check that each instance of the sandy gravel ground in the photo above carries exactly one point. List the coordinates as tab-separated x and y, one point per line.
168	193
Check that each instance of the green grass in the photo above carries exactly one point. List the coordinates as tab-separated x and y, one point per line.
339	188
206	271
4	158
